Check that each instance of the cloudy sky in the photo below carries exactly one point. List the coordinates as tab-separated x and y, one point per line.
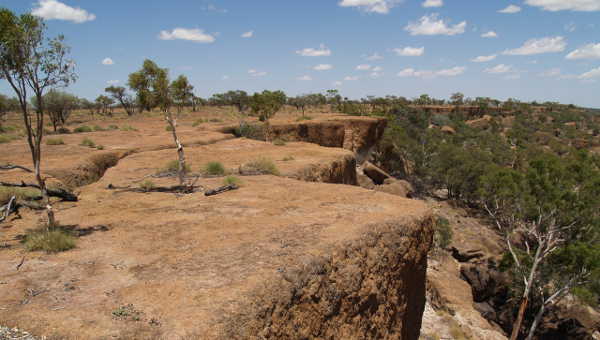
526	49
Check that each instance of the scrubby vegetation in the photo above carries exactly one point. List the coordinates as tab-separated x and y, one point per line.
49	239
54	141
214	169
263	166
173	167
232	180
88	142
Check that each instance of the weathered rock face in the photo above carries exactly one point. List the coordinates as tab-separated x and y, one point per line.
371	288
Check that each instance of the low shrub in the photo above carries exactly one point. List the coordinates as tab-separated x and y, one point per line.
7	128
215	120
100	147
20	193
63	131
82	129
443	233
173	167
128	128
279	142
55	141
232	180
168	128
98	128
288	158
147	185
198	122
249	131
5	139
88	142
113	127
304	118
263	166
50	240
214	169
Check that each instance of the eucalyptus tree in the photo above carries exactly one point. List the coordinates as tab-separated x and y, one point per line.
31	62
182	92
119	93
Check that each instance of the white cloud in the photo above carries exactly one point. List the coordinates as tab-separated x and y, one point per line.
499	69
351	78
551	73
363	67
371	6
409	51
484	58
539	46
225	77
593	73
513	76
566	5
191	34
52	9
511	9
377	69
213	8
337	83
305	78
107	61
322	51
113	82
431	25
589	51
323	67
433	3
256	73
490	34
373	57
451	72
375	75
248	34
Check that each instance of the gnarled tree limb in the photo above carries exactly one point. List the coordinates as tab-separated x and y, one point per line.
60	193
12	166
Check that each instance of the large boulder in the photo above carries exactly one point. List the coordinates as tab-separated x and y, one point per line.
395	187
377	175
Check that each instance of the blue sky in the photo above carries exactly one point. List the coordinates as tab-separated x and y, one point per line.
539	49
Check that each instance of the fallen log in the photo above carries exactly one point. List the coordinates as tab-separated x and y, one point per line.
220	190
12	166
8	208
60	193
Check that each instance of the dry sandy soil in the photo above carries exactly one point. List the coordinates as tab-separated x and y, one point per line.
281	257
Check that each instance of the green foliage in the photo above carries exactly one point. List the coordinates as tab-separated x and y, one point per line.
113	127
264	166
55	141
251	131
147	185
443	233
288	158
279	142
6	139
128	128
83	129
119	93
88	142
20	194
151	84
98	128
168	128
267	103
181	91
232	180
214	169
239	99
50	240
173	167
198	122
58	105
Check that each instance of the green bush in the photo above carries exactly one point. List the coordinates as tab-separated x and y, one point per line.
147	185
215	120
88	142
98	128
263	166
232	180
5	139
55	141
214	169
128	128
288	158
52	240
279	142
113	127
100	147
443	232
249	131
7	128
63	131
173	166
168	128
198	122
20	193
82	129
